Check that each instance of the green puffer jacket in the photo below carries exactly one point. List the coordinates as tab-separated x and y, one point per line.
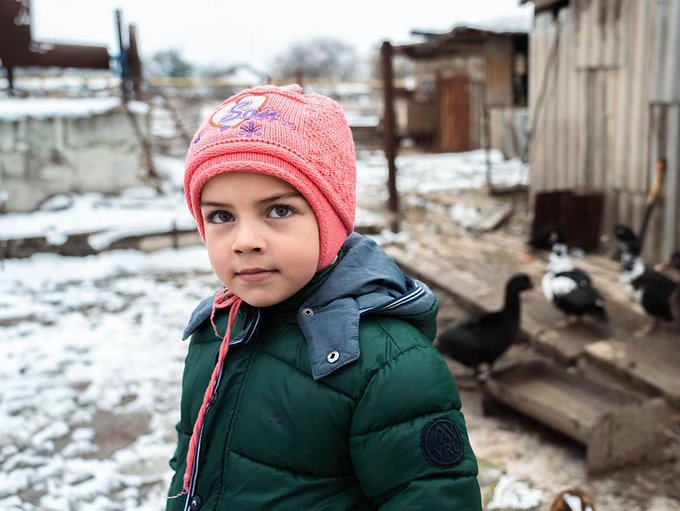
333	400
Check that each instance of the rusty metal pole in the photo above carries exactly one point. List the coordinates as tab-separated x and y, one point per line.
390	135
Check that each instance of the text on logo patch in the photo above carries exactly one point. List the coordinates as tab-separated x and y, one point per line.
442	443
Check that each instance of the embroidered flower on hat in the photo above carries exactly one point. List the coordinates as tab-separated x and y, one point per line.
250	130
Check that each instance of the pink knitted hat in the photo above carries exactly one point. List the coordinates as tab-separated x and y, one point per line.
303	139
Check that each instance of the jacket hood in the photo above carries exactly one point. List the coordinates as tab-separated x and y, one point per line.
364	281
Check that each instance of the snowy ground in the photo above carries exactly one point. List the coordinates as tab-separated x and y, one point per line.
92	360
90	377
144	211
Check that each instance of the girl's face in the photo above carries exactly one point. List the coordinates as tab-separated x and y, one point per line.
262	236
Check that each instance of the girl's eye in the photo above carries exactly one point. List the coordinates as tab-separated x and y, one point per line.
281	211
219	217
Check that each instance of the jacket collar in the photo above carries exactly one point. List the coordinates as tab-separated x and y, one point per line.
363	281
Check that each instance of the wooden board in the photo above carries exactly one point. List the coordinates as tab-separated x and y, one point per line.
617	427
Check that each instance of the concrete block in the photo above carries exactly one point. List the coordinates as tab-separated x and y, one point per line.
58	155
112	128
8	137
40	134
107	170
59	174
12	166
22	198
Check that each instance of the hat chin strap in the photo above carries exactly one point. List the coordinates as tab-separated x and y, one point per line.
224	299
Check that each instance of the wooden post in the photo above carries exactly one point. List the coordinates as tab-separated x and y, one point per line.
10	80
123	59
487	149
175	235
390	135
300	77
135	63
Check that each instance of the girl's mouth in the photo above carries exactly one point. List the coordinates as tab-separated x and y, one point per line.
255	274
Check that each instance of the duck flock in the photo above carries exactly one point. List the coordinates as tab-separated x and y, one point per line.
480	339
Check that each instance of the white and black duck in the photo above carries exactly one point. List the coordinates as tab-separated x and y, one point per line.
571	289
483	337
651	289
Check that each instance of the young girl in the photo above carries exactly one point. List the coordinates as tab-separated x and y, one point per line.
310	382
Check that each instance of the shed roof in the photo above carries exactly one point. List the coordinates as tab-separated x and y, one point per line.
459	39
542	5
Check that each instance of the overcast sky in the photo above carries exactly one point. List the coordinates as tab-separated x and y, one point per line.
223	32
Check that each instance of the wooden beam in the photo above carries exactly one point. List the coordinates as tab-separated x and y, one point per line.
390	135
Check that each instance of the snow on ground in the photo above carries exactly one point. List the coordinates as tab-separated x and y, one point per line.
92	361
14	109
144	211
90	379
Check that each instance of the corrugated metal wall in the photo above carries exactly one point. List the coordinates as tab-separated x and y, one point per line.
605	105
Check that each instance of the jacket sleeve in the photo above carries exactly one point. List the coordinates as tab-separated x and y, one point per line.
409	443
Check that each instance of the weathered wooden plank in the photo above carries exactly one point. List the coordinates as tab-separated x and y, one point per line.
617	427
650	369
640	94
559	112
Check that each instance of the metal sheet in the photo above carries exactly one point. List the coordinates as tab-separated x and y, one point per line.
17	47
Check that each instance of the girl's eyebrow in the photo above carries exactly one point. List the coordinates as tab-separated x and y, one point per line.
210	204
267	200
287	195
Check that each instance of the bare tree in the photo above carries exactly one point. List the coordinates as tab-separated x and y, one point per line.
169	63
402	66
318	58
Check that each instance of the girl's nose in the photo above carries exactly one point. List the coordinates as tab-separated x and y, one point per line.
248	238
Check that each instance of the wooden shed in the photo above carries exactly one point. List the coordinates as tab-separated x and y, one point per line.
604	108
460	78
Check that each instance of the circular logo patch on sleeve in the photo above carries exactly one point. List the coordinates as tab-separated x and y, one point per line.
442	443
